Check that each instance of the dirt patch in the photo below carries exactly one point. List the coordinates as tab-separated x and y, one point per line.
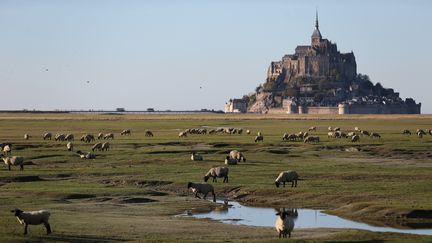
78	196
127	200
137	183
220	145
167	152
45	156
20	179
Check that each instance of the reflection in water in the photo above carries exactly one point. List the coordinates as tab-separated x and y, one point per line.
234	213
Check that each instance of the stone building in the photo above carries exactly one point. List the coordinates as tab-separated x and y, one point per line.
236	106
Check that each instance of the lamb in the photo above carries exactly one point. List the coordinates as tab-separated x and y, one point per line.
217	172
284	224
69	137
355	138
33	218
259	138
196	157
287	176
230	161
202	188
85	155
47	135
97	146
69	146
237	155
26	136
312	129
109	136
105	146
314	139
126	132
149	133
14	160
375	135
7	149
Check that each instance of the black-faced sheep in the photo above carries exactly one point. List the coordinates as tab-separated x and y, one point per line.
312	129
33	218
47	135
59	137
14	160
97	146
259	138
69	137
85	155
109	136
311	139
217	172
149	133
284	224
7	149
355	138
182	134
196	157
230	161
26	136
375	135
408	132
105	146
202	188
69	146
125	132
287	176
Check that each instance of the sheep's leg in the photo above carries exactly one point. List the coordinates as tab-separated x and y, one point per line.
214	196
292	183
284	184
196	195
280	234
25	229
295	183
9	167
48	228
21	167
205	195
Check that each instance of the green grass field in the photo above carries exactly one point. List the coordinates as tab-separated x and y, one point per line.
134	191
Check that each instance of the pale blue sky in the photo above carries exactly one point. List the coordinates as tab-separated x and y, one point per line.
140	54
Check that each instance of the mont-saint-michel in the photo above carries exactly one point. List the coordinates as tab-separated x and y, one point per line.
320	79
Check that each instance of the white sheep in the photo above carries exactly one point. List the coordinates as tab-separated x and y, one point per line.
314	139
85	155
312	129
182	134
87	138
97	146
248	131
14	160
60	137
284	224
109	136
287	176
202	188
47	135
100	136
7	150
69	146
237	155
69	137
259	138
375	135
105	146
33	218
126	132
355	138
26	136
196	157
217	172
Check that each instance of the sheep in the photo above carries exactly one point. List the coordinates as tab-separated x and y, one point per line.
248	132
330	128
47	135
312	129
430	132
259	138
196	157
314	139
26	136
126	132
85	155
97	146
217	172
69	146
331	135
100	136
287	176
201	188
149	133
33	218
420	134
363	132
14	160
355	138
182	134
87	138
105	146
375	135
357	129
408	132
350	134
59	137
237	155
69	137
285	136
109	136
259	134
284	224
230	161
7	149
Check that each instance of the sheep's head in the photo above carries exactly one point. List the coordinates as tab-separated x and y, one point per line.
206	178
277	184
16	211
282	214
244	159
189	185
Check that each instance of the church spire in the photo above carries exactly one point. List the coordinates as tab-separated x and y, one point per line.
316	20
316	35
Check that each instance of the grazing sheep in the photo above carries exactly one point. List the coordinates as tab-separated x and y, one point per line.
33	218
202	188
149	133
109	136
259	138
420	134
355	138
350	134
105	146
126	132
336	129
357	129
182	134
375	135
196	157
85	155
406	132
312	129
330	128
100	136
237	155
248	132
285	136
421	131
331	135
26	136
287	176
87	138
217	172
97	146
59	137
230	161
69	146
69	137
7	149
363	132
312	139
14	160
284	224
47	135
259	134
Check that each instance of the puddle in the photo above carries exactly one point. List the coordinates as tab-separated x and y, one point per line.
235	213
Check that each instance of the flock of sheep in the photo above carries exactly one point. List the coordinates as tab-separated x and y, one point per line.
284	223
